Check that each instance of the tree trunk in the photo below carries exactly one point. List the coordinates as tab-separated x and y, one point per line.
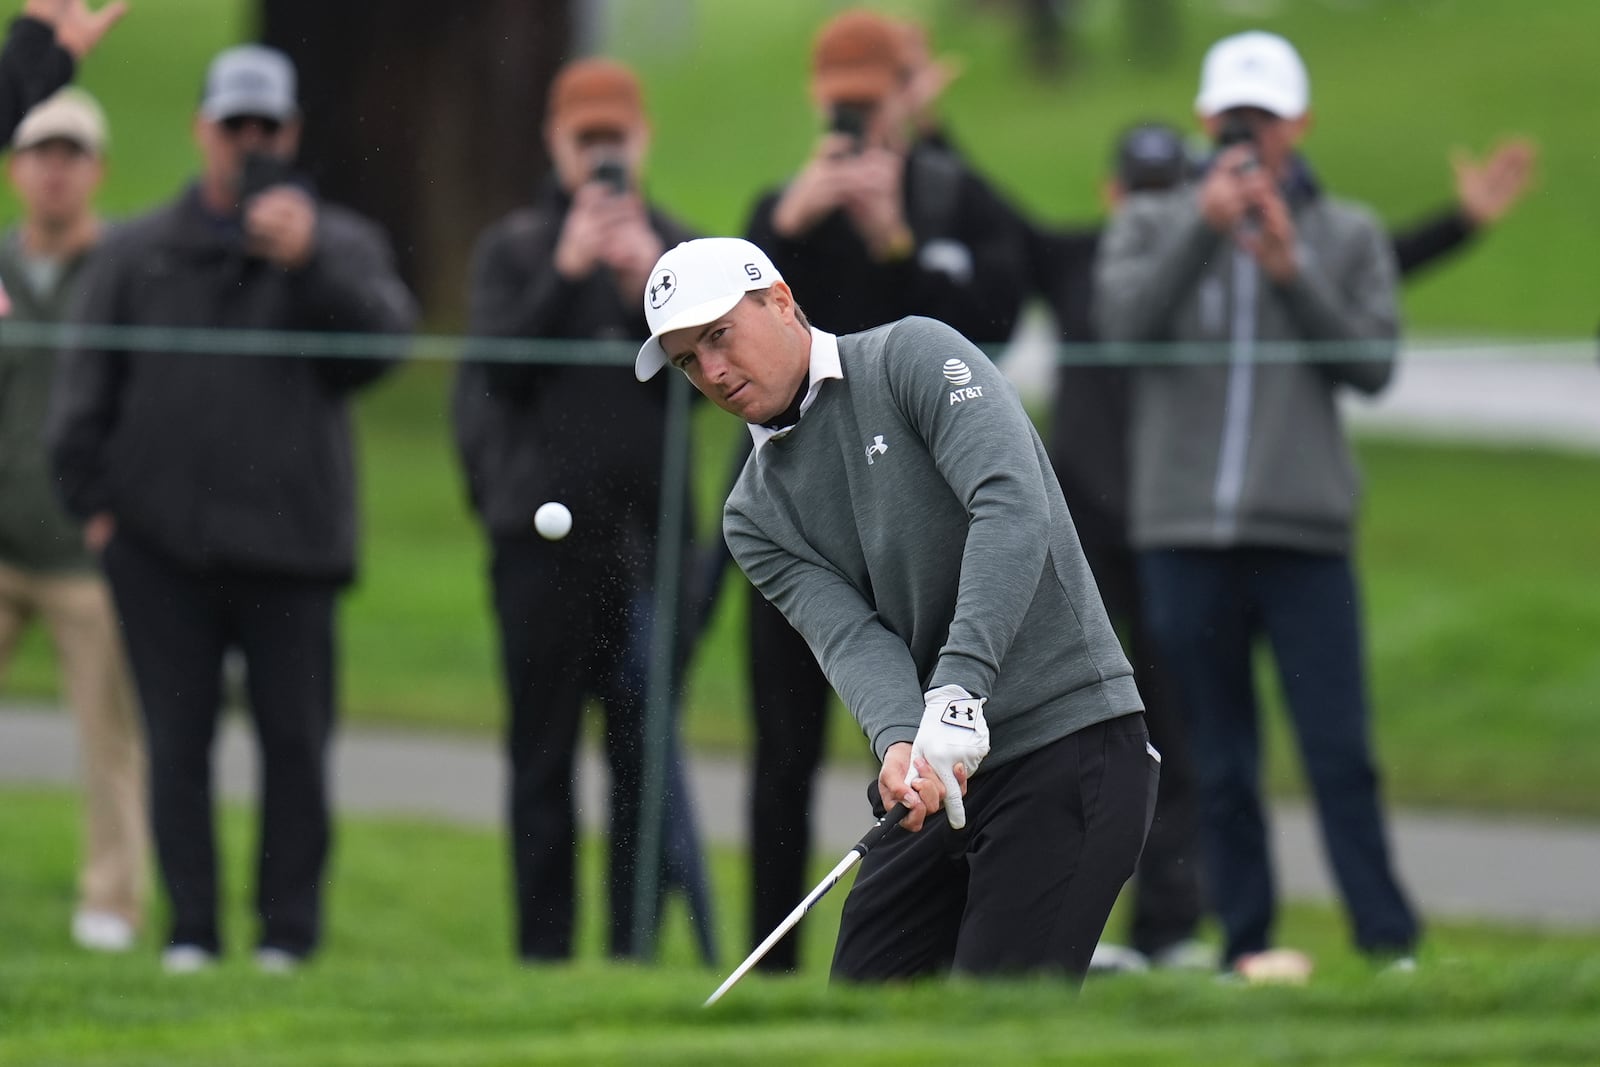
425	116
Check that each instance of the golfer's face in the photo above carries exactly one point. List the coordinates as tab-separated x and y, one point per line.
749	362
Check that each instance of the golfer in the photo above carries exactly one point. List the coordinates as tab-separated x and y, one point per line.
899	509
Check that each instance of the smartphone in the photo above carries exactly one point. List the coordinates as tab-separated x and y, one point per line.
261	172
612	174
849	119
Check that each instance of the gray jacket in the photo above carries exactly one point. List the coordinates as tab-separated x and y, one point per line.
910	528
1238	441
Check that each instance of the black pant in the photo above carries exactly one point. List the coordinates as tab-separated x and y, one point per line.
790	694
177	624
1167	898
573	620
1207	607
1027	885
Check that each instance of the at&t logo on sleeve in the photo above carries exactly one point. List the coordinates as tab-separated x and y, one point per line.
958	374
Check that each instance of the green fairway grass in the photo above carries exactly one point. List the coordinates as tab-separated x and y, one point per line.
417	970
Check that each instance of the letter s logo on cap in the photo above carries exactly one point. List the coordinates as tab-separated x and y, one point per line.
662	288
754	271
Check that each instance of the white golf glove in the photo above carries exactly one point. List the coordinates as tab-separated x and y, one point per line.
952	731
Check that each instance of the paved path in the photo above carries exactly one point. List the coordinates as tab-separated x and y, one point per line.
1538	872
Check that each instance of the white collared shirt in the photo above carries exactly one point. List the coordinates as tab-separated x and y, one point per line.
824	365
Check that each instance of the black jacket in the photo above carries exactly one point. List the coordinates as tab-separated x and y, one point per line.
586	436
219	460
1436	237
968	269
32	66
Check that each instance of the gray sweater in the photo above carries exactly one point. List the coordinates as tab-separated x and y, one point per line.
911	529
1240	442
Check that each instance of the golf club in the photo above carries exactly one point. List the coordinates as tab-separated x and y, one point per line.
879	831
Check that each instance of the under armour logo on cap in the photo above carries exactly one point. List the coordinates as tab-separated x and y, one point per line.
662	289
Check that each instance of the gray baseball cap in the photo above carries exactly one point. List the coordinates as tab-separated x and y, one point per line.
250	79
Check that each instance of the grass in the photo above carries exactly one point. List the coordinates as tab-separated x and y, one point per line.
417	972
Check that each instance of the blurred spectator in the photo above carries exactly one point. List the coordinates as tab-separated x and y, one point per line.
1088	430
880	227
1485	191
574	614
42	50
873	228
45	572
1089	450
1243	489
219	488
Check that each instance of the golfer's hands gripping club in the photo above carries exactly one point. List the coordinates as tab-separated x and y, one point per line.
950	744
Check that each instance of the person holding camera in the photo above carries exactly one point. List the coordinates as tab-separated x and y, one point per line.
882	226
1243	490
219	489
877	225
574	614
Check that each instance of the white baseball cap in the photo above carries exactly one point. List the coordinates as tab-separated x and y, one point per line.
695	283
70	115
1254	69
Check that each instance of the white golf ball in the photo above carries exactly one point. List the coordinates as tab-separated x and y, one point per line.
552	520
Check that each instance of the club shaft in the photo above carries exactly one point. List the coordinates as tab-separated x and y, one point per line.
878	832
788	924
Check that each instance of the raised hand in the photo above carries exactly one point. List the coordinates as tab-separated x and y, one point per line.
1486	189
78	27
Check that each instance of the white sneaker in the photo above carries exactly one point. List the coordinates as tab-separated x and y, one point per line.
187	959
276	961
102	931
1117	959
1190	954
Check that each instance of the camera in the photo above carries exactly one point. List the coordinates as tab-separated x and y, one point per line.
850	119
612	174
1237	129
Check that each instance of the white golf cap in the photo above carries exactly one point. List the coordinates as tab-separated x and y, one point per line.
1254	69
70	115
695	283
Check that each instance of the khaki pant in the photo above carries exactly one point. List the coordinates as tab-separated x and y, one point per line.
83	626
